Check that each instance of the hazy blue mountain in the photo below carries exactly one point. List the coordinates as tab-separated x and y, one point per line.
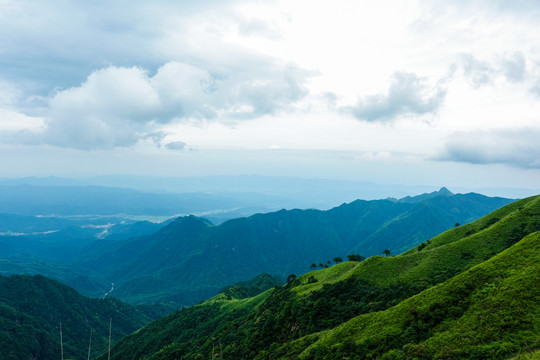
191	259
303	192
70	201
55	238
93	200
262	193
48	245
44	181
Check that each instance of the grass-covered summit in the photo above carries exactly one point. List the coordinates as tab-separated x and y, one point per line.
471	292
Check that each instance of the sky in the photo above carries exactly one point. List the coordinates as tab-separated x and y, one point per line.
410	92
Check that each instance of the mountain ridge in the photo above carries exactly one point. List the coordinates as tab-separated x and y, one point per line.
33	307
470	292
208	257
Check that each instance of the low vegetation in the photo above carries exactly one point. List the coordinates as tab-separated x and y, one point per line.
471	292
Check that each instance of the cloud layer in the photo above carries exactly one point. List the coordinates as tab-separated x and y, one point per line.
408	95
116	106
517	147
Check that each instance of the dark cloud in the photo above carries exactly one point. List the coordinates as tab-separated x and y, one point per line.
535	88
514	67
479	72
408	95
519	148
176	145
56	44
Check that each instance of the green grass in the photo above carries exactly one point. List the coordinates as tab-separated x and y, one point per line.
447	254
489	311
331	275
471	292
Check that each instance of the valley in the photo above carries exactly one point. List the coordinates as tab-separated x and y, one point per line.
269	180
187	259
471	292
420	269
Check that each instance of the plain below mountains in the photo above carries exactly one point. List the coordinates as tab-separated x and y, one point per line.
190	259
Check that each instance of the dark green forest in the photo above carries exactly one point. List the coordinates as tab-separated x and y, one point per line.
191	259
33	307
471	292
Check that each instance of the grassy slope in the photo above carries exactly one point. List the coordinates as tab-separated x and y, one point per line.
293	311
165	336
446	254
489	311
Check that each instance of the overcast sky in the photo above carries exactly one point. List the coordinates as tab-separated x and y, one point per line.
412	92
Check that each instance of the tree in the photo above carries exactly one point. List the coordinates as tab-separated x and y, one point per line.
457	224
291	278
386	252
313	266
321	265
337	259
356	257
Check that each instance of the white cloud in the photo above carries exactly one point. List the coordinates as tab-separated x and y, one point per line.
258	28
123	76
517	147
408	95
117	106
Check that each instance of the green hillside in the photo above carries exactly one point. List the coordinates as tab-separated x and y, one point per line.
191	260
490	311
33	307
471	292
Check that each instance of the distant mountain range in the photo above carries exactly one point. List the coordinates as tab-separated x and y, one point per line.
35	200
191	259
471	292
262	193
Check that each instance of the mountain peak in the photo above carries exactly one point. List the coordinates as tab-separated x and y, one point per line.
418	198
444	191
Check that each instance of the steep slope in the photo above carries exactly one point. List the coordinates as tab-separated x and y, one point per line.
191	260
249	288
32	308
471	292
196	324
490	311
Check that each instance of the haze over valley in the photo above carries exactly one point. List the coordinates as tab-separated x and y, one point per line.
269	179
